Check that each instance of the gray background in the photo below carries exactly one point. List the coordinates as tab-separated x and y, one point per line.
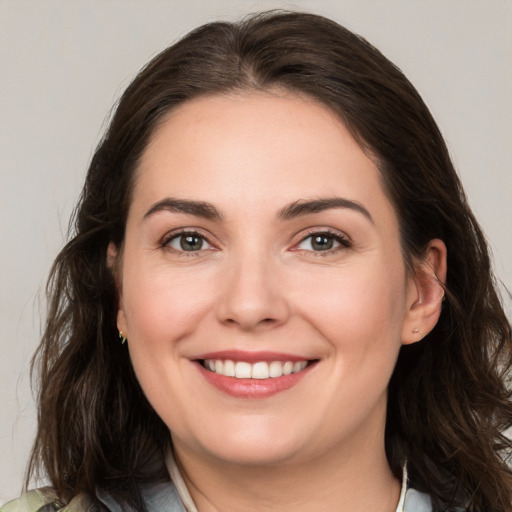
63	64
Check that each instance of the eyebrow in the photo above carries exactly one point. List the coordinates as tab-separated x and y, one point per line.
296	209
197	208
302	207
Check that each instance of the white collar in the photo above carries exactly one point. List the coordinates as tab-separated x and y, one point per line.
188	502
179	483
401	501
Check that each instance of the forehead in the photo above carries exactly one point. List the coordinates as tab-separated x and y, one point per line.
254	149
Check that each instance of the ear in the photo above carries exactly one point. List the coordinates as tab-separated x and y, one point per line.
112	253
425	293
114	265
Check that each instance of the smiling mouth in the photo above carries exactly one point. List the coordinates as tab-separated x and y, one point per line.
259	370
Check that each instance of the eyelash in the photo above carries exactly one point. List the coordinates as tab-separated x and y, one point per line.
342	241
176	235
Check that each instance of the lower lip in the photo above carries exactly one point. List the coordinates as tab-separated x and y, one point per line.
253	388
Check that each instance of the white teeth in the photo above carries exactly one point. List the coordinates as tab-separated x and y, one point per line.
243	370
275	369
259	370
287	368
229	368
300	365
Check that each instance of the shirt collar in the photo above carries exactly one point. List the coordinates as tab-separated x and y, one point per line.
179	483
188	502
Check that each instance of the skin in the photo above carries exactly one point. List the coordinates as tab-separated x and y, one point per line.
258	284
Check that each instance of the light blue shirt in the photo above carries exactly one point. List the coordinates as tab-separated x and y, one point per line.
174	497
165	498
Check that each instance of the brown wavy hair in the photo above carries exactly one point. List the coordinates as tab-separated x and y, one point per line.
449	402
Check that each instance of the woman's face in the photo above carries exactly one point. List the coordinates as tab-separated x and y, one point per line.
260	242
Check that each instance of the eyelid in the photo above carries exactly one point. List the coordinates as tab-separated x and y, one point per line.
175	233
342	238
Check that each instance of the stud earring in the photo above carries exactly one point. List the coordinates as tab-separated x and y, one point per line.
122	337
416	330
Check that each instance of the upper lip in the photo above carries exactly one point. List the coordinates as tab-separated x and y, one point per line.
251	357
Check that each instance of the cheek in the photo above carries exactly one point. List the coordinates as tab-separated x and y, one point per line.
358	308
161	306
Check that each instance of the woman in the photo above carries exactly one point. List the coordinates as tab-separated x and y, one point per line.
276	296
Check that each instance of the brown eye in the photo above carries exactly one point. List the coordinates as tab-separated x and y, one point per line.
188	242
191	242
321	242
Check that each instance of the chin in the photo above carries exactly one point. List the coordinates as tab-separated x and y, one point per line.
261	445
266	454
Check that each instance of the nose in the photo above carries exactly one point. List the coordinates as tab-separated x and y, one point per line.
254	294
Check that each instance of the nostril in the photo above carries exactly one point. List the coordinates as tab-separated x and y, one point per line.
248	324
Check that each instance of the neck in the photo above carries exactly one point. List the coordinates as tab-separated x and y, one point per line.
341	481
